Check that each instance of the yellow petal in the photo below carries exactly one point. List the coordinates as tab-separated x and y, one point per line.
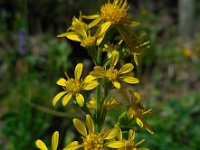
92	104
135	56
94	23
91	16
135	23
100	39
78	71
116	84
91	85
114	59
139	122
54	140
61	82
71	35
80	127
140	142
41	145
116	144
80	99
131	80
66	99
79	27
111	133
98	72
72	146
103	28
126	68
120	135
101	32
57	97
90	124
89	78
131	135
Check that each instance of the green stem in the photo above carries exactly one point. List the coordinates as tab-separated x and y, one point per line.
98	92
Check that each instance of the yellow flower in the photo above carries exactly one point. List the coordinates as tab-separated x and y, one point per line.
79	32
124	144
111	47
187	52
137	110
113	74
108	104
115	14
91	139
111	13
74	86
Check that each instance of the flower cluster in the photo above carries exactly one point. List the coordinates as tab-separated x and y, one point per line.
107	37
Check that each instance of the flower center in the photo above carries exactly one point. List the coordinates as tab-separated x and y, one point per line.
73	86
111	74
93	142
88	42
116	13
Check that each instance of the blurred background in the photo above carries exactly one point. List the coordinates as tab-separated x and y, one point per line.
32	59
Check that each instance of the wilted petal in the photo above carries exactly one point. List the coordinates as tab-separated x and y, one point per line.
80	127
90	124
80	99
54	141
57	97
126	68
78	71
41	145
66	99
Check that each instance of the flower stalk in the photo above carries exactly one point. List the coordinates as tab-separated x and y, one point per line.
107	37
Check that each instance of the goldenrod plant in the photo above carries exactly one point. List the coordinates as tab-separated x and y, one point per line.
109	39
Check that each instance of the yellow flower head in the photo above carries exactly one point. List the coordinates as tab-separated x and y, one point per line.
74	86
127	144
110	47
79	32
91	139
136	110
108	104
115	12
114	75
